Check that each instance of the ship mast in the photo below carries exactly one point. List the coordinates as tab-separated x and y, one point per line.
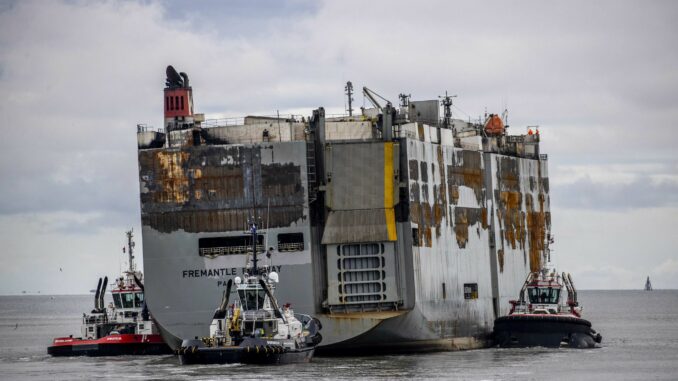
447	107
349	94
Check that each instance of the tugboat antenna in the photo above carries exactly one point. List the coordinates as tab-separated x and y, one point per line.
130	250
253	230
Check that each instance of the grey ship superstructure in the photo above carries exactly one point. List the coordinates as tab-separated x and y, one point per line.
396	228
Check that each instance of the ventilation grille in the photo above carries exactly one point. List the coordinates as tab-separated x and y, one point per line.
361	273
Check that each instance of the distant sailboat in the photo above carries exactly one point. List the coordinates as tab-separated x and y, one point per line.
648	285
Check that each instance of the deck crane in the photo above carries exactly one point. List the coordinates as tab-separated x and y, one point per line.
371	96
388	113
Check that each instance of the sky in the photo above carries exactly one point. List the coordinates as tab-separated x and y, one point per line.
600	79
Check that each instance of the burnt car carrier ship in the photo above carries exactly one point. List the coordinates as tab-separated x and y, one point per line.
398	228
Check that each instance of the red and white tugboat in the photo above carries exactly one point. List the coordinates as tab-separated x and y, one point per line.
123	328
543	317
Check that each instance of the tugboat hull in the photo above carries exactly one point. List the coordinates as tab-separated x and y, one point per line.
115	345
268	355
517	331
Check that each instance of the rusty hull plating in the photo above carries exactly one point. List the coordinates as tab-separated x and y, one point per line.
398	230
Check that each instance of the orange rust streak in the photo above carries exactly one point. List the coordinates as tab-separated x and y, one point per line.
536	227
514	219
172	177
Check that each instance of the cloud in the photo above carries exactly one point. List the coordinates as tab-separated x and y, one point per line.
605	277
668	267
641	192
76	77
601	247
58	253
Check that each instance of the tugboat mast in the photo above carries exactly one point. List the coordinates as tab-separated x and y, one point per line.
130	250
253	230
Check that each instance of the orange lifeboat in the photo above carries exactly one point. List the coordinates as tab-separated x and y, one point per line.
494	125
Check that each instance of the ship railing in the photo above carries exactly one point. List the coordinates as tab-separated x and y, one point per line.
142	127
95	319
294	246
228	250
240	121
223	122
515	138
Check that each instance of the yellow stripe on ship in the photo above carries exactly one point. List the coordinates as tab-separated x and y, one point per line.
388	191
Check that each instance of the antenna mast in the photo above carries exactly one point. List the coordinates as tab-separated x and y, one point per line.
404	100
447	106
349	94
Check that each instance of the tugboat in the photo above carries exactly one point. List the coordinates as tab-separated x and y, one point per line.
123	328
542	317
254	330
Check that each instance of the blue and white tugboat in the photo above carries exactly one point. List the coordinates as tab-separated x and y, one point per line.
254	329
543	317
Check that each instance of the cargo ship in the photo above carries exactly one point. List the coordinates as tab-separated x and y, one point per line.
401	228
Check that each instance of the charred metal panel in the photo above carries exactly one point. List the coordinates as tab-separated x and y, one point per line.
466	170
150	139
216	188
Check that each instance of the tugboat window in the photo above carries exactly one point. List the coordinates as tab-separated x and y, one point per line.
116	301
252	299
128	300
138	299
545	295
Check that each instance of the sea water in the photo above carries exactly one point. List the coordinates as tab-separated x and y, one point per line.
639	328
